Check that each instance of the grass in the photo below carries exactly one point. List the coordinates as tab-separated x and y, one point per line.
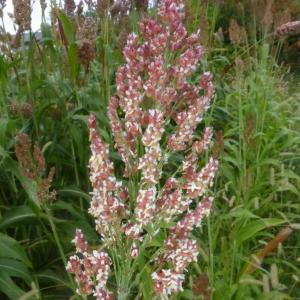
261	188
255	115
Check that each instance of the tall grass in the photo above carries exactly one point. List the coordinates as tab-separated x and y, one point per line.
260	187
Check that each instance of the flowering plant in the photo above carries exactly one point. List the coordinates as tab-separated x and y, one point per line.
145	216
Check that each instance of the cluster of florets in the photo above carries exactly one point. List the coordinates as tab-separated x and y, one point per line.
107	205
86	35
155	114
91	270
22	14
33	166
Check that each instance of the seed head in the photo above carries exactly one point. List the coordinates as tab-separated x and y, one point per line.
288	29
22	14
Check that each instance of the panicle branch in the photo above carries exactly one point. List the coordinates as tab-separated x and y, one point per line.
106	205
91	269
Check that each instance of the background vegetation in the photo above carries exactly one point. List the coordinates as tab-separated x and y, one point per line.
48	85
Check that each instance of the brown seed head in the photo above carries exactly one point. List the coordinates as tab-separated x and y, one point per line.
69	8
86	52
120	9
79	9
103	6
288	29
43	5
26	110
14	107
141	5
39	159
33	166
201	287
22	14
87	29
23	148
15	41
86	37
237	34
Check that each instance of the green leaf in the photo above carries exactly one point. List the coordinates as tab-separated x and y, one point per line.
10	248
68	27
15	268
239	212
68	229
31	189
51	276
252	228
146	282
3	152
64	206
82	118
73	61
29	185
9	288
287	186
76	193
17	215
187	294
30	295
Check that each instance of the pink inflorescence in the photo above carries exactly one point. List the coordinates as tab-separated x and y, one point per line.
91	270
155	113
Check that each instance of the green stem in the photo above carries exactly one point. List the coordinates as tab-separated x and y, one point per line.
76	173
211	254
123	288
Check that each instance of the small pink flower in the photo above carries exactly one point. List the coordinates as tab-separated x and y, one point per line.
80	242
197	184
145	206
102	293
134	250
90	271
167	282
185	253
85	284
201	145
74	265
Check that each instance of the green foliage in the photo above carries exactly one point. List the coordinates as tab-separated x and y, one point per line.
255	115
14	263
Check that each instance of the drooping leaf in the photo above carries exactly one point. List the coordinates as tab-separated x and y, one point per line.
9	288
51	276
15	268
17	215
251	229
75	192
10	248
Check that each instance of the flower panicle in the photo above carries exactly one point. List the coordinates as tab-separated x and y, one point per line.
155	113
180	251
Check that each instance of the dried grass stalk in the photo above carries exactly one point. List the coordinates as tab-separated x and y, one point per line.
271	245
